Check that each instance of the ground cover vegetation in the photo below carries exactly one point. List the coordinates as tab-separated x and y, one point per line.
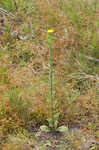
25	66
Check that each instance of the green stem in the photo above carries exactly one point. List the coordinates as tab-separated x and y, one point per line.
51	85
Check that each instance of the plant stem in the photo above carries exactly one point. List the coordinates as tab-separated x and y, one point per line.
15	4
51	85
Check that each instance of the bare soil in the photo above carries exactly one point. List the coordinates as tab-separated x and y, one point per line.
74	139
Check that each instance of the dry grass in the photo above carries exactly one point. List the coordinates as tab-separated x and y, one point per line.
24	65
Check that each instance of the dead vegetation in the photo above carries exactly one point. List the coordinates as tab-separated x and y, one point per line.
24	65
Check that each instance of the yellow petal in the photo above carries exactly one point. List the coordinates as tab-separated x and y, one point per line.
50	31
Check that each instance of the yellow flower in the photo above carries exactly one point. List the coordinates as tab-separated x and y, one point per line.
50	31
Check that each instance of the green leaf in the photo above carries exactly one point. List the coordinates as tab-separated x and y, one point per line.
56	116
50	122
55	124
48	143
45	128
62	129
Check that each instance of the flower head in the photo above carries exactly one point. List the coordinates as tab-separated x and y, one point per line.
50	31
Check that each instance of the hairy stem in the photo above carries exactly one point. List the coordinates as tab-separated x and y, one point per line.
51	86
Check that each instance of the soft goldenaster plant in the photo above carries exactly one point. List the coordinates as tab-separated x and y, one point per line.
53	121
